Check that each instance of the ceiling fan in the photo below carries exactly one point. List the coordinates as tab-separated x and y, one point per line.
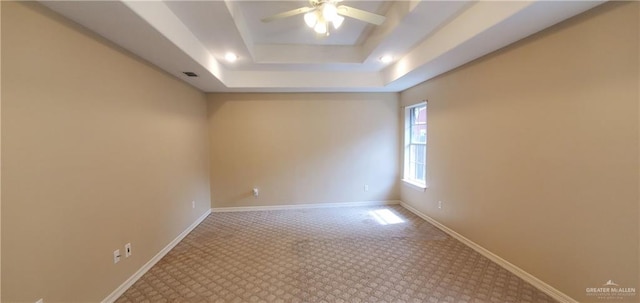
321	13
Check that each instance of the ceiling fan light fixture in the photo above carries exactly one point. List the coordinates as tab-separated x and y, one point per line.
323	14
337	22
329	11
321	28
310	19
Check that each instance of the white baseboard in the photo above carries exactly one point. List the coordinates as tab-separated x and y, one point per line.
301	206
529	278
124	286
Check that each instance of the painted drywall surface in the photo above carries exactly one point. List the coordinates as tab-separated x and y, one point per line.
638	17
98	149
303	148
534	151
0	156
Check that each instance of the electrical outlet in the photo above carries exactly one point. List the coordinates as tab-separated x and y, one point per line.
40	301
127	250
256	192
366	187
116	256
439	204
193	204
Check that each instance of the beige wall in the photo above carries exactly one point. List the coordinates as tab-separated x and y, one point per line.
303	148
98	149
0	156
534	151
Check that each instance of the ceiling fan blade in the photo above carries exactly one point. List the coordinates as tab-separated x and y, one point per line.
360	15
290	13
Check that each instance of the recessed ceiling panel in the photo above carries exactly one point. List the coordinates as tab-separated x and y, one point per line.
293	30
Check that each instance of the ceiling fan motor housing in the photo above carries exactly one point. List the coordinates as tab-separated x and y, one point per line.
317	3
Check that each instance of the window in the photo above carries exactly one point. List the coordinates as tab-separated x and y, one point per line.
415	145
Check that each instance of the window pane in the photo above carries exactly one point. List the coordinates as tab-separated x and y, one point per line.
417	153
419	133
419	115
417	157
420	172
420	151
412	171
412	154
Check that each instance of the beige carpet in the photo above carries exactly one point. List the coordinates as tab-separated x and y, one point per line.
358	254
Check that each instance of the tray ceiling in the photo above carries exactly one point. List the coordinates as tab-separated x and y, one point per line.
424	38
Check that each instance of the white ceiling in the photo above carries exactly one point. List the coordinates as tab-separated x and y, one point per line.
426	38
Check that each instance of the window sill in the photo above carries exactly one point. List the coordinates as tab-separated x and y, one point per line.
415	185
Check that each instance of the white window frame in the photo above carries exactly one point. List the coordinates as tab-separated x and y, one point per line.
406	178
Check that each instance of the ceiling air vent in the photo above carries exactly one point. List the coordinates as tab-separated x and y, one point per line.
190	74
